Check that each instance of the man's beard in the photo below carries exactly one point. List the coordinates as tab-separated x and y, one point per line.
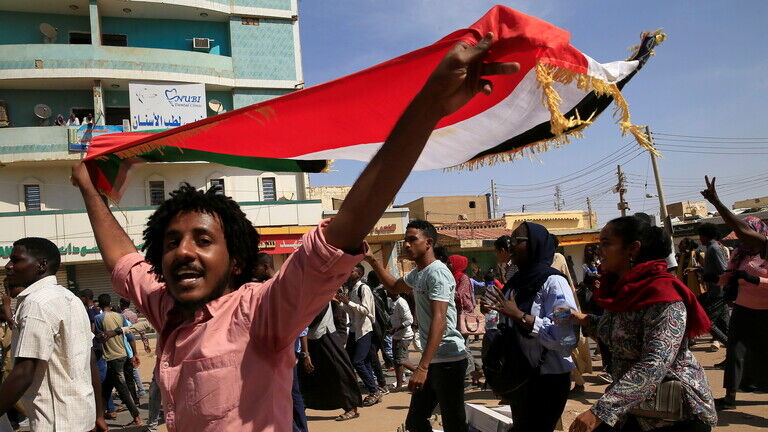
192	306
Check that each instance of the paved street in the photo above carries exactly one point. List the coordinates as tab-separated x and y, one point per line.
751	415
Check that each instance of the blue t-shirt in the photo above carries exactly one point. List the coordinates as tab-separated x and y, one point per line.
436	283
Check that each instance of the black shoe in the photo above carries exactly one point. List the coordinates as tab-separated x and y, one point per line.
725	403
577	390
720	365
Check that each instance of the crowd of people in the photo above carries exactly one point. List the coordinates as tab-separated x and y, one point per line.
228	322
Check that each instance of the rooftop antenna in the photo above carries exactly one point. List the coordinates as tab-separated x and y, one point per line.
216	106
43	112
49	32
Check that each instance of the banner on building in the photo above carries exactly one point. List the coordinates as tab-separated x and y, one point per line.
80	136
165	105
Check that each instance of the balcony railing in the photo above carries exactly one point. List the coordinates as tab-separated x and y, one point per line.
85	61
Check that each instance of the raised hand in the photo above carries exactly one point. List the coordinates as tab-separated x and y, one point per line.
459	76
710	193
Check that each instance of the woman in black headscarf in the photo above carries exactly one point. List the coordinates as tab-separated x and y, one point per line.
527	306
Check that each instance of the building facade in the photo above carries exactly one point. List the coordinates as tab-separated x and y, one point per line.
444	209
688	210
78	58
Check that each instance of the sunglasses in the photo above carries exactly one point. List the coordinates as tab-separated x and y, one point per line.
517	240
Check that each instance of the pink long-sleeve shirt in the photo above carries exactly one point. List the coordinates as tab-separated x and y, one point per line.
750	296
230	367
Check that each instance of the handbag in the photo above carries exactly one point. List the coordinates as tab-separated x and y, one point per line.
471	323
667	404
505	367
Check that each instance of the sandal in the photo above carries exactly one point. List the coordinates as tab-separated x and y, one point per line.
349	415
371	399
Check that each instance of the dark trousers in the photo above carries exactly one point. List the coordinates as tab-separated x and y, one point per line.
714	304
116	379
538	405
130	382
444	387
746	336
360	353
299	416
378	372
631	426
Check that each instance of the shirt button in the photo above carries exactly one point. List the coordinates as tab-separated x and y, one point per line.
165	365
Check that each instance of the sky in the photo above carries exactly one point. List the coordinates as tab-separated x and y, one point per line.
708	79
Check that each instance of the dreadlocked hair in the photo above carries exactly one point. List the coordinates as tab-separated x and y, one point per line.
242	238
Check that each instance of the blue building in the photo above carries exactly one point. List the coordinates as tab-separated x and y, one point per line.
57	52
79	56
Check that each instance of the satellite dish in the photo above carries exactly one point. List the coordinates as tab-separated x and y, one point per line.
216	106
43	112
49	32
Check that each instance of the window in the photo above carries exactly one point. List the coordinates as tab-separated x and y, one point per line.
114	39
268	189
156	192
32	197
80	38
472	204
218	185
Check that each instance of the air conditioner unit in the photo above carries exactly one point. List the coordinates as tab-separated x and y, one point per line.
201	44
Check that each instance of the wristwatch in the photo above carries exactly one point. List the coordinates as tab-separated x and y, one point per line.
302	355
119	330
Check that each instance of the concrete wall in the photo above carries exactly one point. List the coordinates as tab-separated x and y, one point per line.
242	97
265	51
22	102
449	208
327	194
24	28
553	221
169	34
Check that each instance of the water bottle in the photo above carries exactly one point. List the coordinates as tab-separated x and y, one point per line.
565	333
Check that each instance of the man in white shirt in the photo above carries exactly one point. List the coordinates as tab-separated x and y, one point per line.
402	336
358	303
54	374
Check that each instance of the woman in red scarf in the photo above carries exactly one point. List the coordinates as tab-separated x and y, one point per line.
649	317
465	303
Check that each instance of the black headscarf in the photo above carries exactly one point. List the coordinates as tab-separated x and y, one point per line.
529	280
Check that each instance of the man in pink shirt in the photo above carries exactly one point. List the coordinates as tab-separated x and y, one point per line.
225	352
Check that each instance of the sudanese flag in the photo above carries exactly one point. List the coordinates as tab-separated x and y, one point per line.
558	92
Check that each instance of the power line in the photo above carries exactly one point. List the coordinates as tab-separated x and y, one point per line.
710	137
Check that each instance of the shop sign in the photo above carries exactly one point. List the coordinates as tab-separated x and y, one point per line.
385	229
580	239
68	250
280	245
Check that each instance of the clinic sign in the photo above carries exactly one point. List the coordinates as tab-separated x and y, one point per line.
166	105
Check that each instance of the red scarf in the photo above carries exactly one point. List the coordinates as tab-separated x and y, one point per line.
458	265
647	284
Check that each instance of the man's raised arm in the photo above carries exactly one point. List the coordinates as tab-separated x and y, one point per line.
455	81
112	240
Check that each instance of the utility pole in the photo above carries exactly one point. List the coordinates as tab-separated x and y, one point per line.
559	201
659	188
621	190
494	198
523	208
589	210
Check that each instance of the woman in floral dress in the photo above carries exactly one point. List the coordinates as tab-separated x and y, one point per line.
649	317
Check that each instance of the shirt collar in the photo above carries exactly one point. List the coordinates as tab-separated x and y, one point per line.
37	286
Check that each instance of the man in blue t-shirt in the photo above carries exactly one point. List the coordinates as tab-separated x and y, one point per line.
439	376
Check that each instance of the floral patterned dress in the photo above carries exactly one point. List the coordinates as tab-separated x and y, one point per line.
648	346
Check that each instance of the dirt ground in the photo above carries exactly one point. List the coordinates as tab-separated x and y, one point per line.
751	414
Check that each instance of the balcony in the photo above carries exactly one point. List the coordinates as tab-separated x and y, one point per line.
71	231
34	61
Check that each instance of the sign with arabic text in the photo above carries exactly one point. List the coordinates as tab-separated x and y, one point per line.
166	105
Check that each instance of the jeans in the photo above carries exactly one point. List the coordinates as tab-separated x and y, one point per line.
154	406
116	379
386	348
299	416
538	405
378	373
444	387
360	353
139	382
102	365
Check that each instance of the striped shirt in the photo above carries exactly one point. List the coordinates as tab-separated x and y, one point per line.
52	325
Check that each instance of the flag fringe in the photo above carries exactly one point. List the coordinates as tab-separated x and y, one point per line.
563	128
